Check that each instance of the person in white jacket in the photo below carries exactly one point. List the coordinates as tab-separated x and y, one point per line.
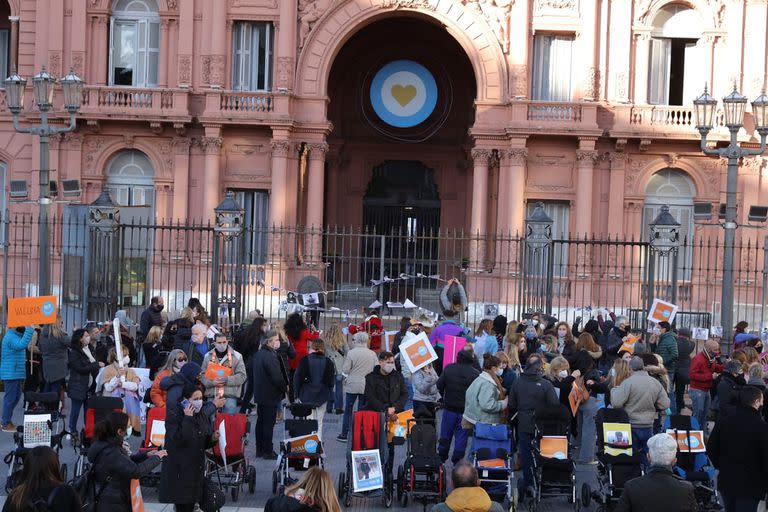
121	381
358	363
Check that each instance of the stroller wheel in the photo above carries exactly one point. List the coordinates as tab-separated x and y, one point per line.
251	479
586	495
403	499
400	484
388	498
235	492
275	478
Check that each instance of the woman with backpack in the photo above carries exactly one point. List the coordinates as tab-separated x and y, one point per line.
313	381
113	464
41	487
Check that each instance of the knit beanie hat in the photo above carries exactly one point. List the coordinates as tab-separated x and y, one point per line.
191	371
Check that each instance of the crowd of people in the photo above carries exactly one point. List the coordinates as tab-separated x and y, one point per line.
507	372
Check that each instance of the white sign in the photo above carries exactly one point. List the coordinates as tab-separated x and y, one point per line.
118	342
367	473
700	333
223	443
717	331
37	430
417	351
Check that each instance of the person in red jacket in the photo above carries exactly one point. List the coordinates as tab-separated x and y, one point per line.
300	337
373	327
704	366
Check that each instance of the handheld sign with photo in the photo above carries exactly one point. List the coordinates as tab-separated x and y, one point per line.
662	311
452	344
418	352
399	427
367	473
389	340
700	333
617	438
32	311
717	331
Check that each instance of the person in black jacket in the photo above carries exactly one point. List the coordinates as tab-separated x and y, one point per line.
727	388
453	384
269	388
738	448
83	368
659	489
177	386
247	343
196	345
181	480
41	485
150	317
682	376
385	391
114	466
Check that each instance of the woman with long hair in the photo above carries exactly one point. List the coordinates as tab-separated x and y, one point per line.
299	336
54	350
566	345
335	349
485	341
114	465
83	369
486	396
314	492
122	382
585	360
152	348
517	350
247	345
41	484
176	359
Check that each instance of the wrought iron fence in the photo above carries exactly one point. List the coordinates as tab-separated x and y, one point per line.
96	271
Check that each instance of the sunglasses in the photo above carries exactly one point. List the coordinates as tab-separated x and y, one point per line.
181	359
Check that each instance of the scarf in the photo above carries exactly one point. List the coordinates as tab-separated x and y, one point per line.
87	352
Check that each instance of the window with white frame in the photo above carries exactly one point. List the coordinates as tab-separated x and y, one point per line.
552	67
252	56
134	43
130	178
674	67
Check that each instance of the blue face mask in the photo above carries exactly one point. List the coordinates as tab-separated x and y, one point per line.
529	335
543	348
499	372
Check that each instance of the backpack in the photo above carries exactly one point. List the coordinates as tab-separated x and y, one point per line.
41	505
85	486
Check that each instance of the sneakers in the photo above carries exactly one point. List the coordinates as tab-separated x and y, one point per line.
341	438
10	427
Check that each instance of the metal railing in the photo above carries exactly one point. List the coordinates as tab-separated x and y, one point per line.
554	111
669	115
246	102
95	273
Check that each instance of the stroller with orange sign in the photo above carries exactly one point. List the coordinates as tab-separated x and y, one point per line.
154	439
302	448
231	469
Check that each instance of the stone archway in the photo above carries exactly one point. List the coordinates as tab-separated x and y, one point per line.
334	27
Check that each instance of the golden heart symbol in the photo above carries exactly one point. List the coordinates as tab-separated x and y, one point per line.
404	94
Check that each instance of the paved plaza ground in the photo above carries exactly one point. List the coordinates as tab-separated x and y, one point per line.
335	463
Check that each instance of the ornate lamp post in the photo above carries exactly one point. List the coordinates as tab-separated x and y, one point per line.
665	241
537	259
538	228
733	108
43	85
229	226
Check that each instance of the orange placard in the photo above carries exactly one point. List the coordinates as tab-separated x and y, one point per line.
554	447
137	501
688	441
491	464
662	311
32	310
418	351
217	371
400	427
575	397
629	343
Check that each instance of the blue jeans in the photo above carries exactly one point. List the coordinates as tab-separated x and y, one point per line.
739	504
526	455
336	398
640	437
11	399
74	414
349	404
409	387
700	402
450	429
587	430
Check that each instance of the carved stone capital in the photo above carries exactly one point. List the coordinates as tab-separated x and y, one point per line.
211	145
515	156
317	150
586	156
181	145
280	148
481	156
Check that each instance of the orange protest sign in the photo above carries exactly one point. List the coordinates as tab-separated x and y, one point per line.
137	500
217	371
31	311
662	311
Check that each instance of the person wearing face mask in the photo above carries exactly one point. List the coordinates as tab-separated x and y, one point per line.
83	368
425	393
270	386
313	381
560	376
183	474
196	346
115	467
176	359
452	385
566	346
486	399
122	382
385	390
150	317
531	335
228	386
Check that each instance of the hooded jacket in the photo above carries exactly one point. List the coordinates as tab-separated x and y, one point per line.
484	403
641	396
468	499
666	347
455	380
530	392
384	391
14	354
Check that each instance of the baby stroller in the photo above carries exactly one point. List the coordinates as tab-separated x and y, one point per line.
694	466
616	463
299	454
554	472
369	432
493	460
42	427
422	475
96	409
232	470
154	439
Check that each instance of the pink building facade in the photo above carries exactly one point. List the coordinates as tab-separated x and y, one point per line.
407	114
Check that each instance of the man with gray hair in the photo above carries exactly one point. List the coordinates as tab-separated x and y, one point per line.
659	489
642	397
359	362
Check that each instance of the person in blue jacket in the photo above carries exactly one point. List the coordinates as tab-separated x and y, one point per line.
13	370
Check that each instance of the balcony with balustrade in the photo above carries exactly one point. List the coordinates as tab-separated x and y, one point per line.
660	122
553	118
244	107
135	104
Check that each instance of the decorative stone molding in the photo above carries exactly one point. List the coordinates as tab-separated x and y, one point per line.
284	73
317	151
481	156
515	156
173	5
211	145
181	145
74	141
280	148
213	69
78	59
588	156
497	14
93	146
54	63
129	139
185	69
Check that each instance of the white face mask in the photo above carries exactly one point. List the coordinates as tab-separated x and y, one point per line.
613	372
561	334
126	360
222	347
197	404
388	367
563	374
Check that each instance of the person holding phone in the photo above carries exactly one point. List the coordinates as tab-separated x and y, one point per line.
182	477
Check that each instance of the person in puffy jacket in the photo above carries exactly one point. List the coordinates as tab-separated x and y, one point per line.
425	394
666	347
486	398
314	380
467	495
269	389
176	359
452	385
385	391
114	465
13	370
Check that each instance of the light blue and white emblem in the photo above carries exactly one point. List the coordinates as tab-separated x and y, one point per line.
403	93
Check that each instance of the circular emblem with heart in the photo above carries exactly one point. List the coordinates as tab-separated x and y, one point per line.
403	93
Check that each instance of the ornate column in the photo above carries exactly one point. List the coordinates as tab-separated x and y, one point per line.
478	223
520	21
510	211
585	166
164	58
277	195
518	158
13	64
618	173
313	248
185	43
642	42
216	63
99	49
286	46
180	178
211	145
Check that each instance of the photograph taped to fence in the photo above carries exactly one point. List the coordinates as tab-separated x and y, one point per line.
32	311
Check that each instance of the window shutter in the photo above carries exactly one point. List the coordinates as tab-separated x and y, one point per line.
153	52
111	51
140	76
658	74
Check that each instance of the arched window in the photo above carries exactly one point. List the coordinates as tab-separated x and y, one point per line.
134	43
675	189
130	177
674	74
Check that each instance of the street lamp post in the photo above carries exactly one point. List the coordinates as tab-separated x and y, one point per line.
229	226
733	109
43	85
665	241
538	257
